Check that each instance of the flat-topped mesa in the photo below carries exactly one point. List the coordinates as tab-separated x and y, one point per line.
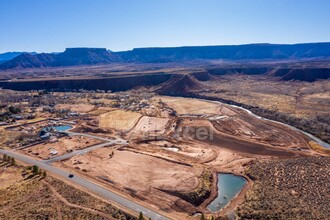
85	56
246	53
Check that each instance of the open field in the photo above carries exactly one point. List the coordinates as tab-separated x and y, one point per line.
150	126
8	175
190	106
119	120
138	173
26	196
81	108
301	99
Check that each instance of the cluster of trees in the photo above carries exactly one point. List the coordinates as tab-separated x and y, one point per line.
8	159
7	112
37	171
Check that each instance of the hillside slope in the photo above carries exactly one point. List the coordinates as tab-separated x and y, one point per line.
70	57
179	85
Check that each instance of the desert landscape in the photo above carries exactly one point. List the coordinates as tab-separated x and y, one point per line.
164	110
174	148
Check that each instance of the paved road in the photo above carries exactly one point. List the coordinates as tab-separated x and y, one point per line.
89	185
117	141
86	150
77	152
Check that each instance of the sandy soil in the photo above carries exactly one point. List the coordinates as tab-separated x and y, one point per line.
81	108
189	152
137	171
138	174
149	125
239	145
101	110
62	146
119	120
8	175
190	106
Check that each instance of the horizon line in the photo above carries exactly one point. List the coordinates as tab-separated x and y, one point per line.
160	47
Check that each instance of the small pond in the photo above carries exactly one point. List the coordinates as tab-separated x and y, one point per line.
229	186
62	127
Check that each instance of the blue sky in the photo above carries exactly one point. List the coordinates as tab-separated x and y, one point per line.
53	25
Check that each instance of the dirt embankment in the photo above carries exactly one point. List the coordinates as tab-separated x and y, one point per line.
244	146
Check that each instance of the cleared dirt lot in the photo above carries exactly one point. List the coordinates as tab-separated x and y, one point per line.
190	106
246	147
137	171
140	175
119	120
150	125
62	146
81	108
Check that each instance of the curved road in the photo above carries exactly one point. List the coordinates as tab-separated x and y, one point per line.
105	193
88	149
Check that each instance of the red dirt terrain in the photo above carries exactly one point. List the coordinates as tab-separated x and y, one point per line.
180	84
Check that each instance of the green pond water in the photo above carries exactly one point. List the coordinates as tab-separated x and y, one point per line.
229	186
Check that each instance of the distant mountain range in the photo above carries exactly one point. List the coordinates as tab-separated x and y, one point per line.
10	55
92	56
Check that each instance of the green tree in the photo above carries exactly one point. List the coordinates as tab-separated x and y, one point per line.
4	158
35	169
12	161
203	217
14	110
44	174
141	216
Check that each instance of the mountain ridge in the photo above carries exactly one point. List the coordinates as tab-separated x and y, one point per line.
93	56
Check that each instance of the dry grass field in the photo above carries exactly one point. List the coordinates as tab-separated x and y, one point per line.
189	106
81	108
26	196
8	176
301	99
119	120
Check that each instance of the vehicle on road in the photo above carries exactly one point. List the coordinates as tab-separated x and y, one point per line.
71	175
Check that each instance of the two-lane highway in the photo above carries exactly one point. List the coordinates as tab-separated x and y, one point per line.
103	192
